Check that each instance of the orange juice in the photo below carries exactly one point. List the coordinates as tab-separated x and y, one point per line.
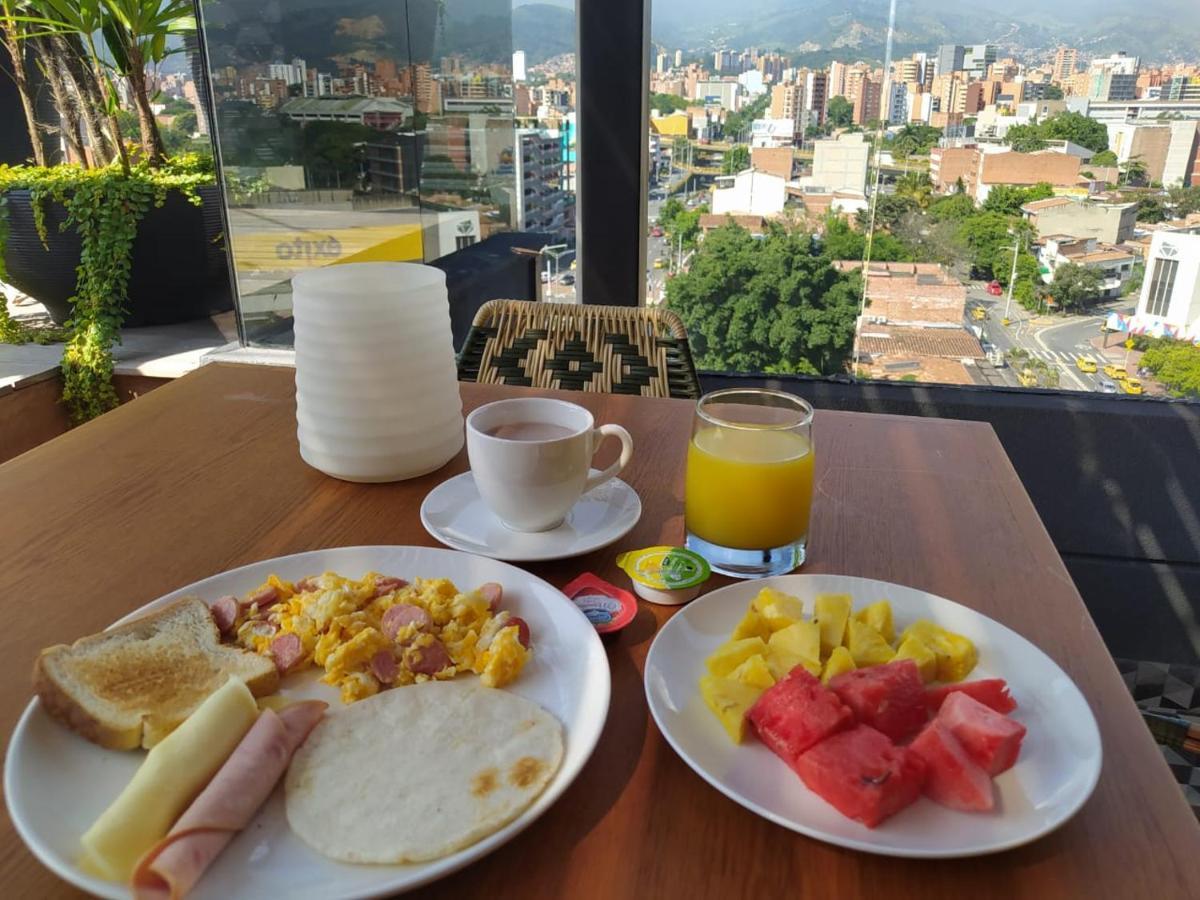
749	489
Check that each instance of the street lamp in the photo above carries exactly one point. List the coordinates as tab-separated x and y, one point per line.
553	252
1012	280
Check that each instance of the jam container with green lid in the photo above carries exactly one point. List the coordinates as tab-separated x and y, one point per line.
666	575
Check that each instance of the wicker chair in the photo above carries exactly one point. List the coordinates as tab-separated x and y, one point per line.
603	349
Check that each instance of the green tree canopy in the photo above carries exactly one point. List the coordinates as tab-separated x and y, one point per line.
667	103
1064	126
1008	198
914	139
1053	92
1151	208
1104	158
954	207
842	241
839	112
767	304
1074	286
736	160
1176	365
917	187
737	122
1025	138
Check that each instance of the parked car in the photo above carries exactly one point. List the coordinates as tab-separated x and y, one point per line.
660	263
1107	387
1083	364
656	231
1027	378
568	279
1116	373
1131	386
994	288
978	313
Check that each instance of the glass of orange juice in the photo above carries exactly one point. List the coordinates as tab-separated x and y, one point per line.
750	481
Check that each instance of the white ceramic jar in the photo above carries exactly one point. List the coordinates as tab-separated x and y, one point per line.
376	383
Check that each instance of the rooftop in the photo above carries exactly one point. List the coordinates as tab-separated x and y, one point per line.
947	343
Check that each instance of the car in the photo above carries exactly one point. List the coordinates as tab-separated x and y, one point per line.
656	231
660	263
1116	373
1107	387
994	288
1131	386
978	313
1027	378
1083	364
568	279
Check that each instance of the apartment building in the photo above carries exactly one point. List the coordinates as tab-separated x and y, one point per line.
816	96
839	164
867	101
1113	265
1108	223
1066	61
541	204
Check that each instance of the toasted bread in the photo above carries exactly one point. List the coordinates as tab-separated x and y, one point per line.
130	686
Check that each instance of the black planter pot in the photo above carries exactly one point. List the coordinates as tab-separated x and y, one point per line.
179	270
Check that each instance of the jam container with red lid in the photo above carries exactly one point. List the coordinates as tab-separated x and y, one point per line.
607	607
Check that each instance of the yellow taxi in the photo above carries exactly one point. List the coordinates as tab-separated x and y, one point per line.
1117	373
1027	378
978	313
1131	386
1083	364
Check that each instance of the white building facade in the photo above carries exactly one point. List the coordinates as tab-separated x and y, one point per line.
752	193
1171	286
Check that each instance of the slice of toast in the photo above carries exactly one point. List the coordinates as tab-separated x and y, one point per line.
131	685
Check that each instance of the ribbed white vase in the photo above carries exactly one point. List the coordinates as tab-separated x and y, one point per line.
376	384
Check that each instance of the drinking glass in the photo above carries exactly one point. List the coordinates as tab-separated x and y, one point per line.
750	481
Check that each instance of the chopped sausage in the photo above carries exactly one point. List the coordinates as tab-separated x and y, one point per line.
387	584
522	630
287	651
304	585
268	596
428	660
492	593
225	612
403	614
383	666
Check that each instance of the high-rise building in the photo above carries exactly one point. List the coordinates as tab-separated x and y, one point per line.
977	58
816	95
1113	78
950	58
518	65
678	58
1066	61
867	103
541	202
660	62
895	106
837	80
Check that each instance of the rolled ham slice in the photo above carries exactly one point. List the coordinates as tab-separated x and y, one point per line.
173	866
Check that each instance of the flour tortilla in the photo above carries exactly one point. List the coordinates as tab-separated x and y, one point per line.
416	773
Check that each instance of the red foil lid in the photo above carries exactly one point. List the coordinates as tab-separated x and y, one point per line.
607	607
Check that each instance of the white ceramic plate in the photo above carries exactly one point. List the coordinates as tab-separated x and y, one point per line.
56	783
455	514
1056	772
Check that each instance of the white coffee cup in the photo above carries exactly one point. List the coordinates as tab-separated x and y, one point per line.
531	458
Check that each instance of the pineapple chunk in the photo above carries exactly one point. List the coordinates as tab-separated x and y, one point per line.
753	672
729	701
839	661
879	616
867	646
751	625
831	612
913	648
778	610
956	655
732	654
798	644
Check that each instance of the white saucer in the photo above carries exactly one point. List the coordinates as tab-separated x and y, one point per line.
455	514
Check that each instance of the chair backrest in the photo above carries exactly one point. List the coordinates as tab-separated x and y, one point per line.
604	349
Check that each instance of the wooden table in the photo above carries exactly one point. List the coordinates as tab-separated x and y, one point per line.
203	475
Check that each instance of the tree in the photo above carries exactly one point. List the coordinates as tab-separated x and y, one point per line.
1025	138
1077	128
1053	92
839	112
1184	200
736	160
1074	286
1135	171
890	210
842	241
1176	365
1151	209
1104	158
917	187
766	305
667	103
914	139
954	207
986	236
737	122
1008	199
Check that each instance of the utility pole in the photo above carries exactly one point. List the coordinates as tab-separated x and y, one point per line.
1012	278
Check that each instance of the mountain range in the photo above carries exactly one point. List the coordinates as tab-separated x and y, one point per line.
817	30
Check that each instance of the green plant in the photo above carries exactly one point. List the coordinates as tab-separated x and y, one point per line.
105	207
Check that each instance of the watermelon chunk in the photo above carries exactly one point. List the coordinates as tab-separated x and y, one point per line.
862	774
992	740
890	698
991	692
953	778
795	713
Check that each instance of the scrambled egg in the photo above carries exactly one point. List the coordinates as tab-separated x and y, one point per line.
339	622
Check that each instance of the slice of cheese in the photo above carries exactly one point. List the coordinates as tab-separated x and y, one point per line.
173	773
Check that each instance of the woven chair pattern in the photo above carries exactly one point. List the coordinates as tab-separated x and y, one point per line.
601	349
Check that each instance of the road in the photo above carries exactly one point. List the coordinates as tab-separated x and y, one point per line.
1057	341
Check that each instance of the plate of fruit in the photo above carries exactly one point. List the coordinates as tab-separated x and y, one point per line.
873	716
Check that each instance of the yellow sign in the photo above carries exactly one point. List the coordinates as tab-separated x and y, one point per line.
288	250
1128	343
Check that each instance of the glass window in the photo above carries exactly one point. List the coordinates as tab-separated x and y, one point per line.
1161	286
384	131
903	208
